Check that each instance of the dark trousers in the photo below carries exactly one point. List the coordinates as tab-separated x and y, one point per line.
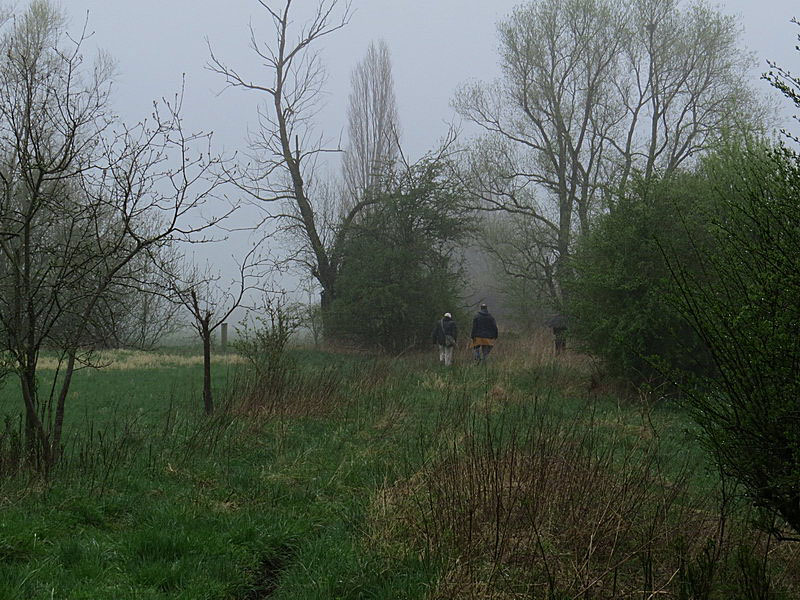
481	353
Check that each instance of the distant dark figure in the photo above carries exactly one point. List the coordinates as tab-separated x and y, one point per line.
484	334
558	324
445	334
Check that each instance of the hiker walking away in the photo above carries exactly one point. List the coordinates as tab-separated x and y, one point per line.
484	334
558	324
445	334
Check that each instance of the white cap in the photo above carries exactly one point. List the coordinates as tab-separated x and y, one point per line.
448	315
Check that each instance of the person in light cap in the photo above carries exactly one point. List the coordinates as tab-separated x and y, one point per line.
445	333
484	334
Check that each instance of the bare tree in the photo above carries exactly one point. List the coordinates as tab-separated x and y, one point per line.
372	125
285	150
683	84
507	243
546	120
308	314
79	204
211	302
593	91
138	313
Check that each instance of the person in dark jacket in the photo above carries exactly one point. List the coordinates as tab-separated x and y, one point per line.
484	334
558	324
445	334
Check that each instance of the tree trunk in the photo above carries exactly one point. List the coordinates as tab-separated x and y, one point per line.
208	400
32	423
36	438
55	445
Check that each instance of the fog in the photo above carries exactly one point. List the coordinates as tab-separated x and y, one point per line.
435	46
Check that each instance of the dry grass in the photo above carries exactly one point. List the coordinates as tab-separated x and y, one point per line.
125	360
572	373
286	392
552	508
386	526
433	380
536	349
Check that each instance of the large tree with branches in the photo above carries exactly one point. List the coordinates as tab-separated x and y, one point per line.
372	126
285	150
593	93
85	205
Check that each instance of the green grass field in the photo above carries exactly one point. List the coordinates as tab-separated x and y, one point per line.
366	477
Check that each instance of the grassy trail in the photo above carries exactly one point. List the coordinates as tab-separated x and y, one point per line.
356	482
156	502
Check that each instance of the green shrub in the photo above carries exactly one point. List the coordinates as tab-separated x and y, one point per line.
744	303
262	339
398	269
620	297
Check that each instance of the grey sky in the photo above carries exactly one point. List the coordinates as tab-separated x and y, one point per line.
435	46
